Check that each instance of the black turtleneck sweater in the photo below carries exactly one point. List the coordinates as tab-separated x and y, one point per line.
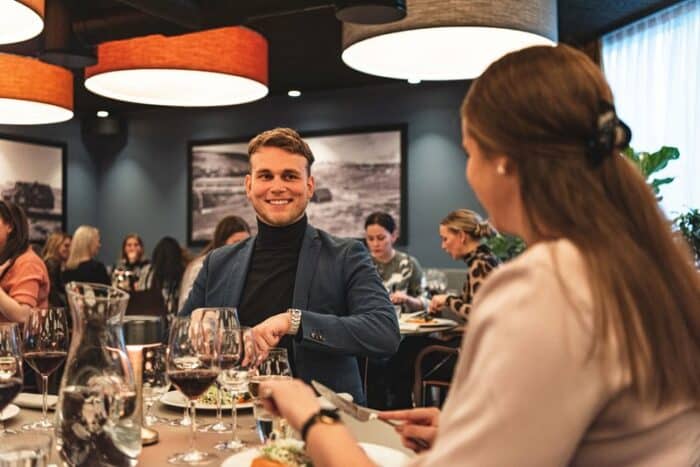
269	285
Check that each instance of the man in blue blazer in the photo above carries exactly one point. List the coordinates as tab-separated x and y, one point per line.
303	289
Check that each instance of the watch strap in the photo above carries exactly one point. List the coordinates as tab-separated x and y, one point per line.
325	416
295	320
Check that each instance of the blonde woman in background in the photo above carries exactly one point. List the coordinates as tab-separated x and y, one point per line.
462	233
82	265
55	254
585	349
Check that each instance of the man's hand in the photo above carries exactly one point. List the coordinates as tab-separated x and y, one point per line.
269	332
437	303
419	423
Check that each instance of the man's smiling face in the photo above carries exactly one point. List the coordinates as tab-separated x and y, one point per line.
278	185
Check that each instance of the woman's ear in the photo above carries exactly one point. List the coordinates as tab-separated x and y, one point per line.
394	236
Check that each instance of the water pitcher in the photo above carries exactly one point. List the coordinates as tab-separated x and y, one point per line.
96	420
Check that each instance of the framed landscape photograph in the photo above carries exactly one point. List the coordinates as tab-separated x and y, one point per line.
357	172
33	175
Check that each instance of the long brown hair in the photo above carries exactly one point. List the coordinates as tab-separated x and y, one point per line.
18	239
52	245
645	289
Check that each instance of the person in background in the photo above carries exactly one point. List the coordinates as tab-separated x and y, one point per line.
81	265
229	230
462	233
165	272
400	272
585	349
55	255
128	272
24	280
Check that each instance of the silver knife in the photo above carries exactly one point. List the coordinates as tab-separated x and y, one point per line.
362	414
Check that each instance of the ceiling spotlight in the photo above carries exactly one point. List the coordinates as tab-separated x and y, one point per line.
294	93
439	42
102	113
20	20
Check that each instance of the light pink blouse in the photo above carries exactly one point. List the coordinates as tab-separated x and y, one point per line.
525	394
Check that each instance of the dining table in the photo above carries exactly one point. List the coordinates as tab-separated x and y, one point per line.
174	439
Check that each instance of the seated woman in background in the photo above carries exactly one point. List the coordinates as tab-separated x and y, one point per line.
165	272
55	255
400	272
127	273
585	349
81	265
229	230
24	280
462	232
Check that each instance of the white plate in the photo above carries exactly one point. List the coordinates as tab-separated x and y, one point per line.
434	323
176	399
9	412
381	455
34	401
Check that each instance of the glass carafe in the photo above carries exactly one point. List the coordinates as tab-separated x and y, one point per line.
96	420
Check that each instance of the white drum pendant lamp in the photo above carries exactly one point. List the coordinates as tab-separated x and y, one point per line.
20	20
448	39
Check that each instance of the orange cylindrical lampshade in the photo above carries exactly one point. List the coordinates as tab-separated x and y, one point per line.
20	20
235	52
43	91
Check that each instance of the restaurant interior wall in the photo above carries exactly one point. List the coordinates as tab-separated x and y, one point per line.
142	188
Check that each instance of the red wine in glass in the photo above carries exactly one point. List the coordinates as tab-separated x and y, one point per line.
46	362
9	389
193	383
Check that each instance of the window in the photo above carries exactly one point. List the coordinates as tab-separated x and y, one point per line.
653	67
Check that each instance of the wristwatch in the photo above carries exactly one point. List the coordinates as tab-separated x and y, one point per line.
325	416
295	319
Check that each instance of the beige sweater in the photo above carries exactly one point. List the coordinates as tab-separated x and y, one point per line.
524	393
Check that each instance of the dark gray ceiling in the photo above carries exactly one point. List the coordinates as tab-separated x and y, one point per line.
303	35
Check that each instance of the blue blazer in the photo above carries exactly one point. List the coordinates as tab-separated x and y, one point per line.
346	311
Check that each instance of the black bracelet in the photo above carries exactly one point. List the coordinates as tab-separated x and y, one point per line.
325	416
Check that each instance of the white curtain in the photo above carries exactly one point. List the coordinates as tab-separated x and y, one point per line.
653	67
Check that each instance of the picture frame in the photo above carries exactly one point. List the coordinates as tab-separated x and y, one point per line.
357	171
33	176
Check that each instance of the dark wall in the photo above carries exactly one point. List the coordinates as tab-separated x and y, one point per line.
143	186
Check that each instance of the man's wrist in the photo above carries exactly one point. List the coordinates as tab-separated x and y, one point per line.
294	320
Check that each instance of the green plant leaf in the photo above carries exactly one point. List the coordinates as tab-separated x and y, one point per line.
654	162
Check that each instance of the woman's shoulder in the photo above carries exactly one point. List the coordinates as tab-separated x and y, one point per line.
546	273
29	259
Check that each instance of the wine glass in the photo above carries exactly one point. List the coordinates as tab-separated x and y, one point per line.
274	366
45	348
238	361
155	380
228	322
193	365
11	376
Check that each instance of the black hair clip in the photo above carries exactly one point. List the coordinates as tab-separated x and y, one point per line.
611	133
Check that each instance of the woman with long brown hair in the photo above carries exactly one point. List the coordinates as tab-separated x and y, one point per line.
584	350
24	281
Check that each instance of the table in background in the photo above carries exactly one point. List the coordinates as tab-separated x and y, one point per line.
176	439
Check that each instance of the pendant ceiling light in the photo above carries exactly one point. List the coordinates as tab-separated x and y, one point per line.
33	92
20	20
449	39
216	67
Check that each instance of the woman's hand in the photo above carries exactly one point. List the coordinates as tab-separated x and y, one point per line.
419	423
437	303
292	399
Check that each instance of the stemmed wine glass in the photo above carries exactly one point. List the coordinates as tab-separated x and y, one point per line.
193	365
45	348
11	376
155	380
274	366
238	361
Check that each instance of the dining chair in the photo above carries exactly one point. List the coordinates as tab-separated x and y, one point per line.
433	374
